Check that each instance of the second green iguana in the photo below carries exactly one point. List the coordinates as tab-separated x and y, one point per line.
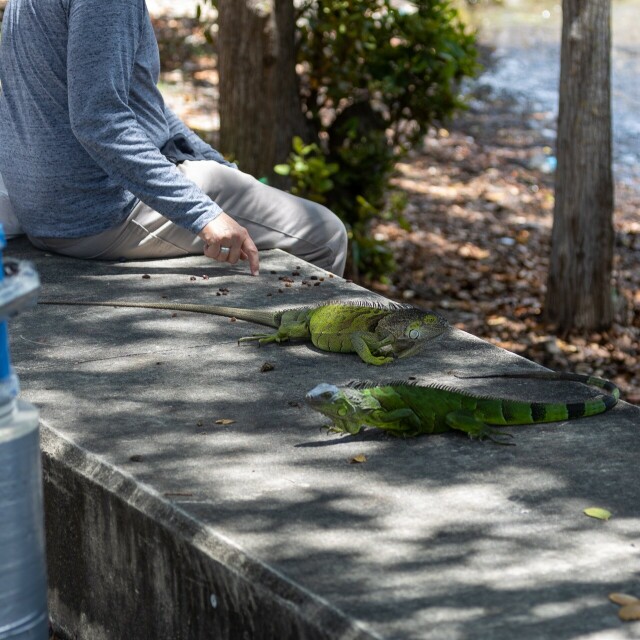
377	333
410	409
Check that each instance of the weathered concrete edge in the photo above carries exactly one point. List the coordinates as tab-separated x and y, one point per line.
158	572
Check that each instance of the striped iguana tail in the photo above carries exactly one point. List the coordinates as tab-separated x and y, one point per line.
555	411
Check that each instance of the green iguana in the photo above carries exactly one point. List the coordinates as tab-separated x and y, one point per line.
373	331
411	409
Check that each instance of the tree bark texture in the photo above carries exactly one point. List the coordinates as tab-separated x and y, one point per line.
579	292
259	102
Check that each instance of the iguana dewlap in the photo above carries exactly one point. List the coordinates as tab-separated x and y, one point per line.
408	409
377	333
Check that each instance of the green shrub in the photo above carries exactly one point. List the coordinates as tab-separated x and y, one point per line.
405	64
372	80
308	171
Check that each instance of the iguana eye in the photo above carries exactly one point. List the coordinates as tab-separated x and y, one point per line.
414	334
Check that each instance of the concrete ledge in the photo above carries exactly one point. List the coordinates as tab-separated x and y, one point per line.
126	563
153	508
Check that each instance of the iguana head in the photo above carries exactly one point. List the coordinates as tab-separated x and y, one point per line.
334	403
410	329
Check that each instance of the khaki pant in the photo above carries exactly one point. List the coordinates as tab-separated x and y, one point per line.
273	218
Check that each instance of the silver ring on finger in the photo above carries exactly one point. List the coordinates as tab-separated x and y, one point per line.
224	250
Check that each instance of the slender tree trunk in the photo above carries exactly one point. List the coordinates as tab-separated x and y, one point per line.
579	284
259	102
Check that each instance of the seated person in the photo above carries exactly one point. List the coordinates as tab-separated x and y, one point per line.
97	166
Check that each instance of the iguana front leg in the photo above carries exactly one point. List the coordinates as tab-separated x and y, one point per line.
474	428
364	343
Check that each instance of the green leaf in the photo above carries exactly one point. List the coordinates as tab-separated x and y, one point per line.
310	148
297	144
597	512
282	169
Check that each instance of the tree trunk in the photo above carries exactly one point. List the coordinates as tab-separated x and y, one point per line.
259	105
579	284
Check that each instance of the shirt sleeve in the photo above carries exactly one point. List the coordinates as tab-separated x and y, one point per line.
101	49
177	126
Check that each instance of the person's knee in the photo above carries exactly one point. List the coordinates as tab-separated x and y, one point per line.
334	227
336	241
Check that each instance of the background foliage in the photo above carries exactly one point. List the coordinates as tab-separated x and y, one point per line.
372	78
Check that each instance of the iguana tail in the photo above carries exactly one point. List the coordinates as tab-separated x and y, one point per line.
552	411
267	318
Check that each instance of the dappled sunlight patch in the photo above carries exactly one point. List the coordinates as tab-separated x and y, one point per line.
562	609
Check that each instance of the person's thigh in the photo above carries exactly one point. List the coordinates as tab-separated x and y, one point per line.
144	234
273	218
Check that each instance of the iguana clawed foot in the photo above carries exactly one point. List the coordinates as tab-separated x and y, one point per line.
335	428
377	360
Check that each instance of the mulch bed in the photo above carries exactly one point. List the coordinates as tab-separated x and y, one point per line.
479	244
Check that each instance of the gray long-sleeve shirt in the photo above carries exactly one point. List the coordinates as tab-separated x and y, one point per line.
82	121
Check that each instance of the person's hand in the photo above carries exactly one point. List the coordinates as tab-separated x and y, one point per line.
227	241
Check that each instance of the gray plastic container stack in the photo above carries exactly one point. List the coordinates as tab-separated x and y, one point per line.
23	581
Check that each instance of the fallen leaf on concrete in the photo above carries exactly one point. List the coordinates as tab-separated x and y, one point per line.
360	458
630	612
225	421
597	512
267	366
623	599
